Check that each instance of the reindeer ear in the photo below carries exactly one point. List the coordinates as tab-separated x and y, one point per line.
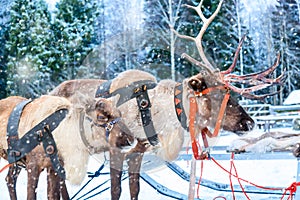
197	84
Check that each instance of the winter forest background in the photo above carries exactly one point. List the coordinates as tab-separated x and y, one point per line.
43	45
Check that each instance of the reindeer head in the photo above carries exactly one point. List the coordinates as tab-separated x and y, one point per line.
106	111
213	80
120	136
209	96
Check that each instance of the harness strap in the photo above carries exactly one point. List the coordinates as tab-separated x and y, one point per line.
51	152
144	105
126	93
136	90
13	123
18	148
205	131
109	126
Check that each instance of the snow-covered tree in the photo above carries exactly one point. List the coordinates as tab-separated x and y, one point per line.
4	19
161	16
73	27
28	48
286	38
220	39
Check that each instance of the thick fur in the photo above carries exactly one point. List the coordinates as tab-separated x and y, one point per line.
169	129
71	149
119	138
32	115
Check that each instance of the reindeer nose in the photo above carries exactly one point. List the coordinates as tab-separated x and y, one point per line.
248	124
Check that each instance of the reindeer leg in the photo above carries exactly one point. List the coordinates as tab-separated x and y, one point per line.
11	180
116	167
134	161
33	173
56	186
64	191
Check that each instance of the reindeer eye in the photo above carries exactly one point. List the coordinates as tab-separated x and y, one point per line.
100	117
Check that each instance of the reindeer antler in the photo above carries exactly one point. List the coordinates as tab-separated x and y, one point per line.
255	81
198	39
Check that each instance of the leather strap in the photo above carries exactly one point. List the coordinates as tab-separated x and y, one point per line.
13	123
126	93
18	148
136	90
144	105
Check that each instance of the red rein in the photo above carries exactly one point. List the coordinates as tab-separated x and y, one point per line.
202	155
205	131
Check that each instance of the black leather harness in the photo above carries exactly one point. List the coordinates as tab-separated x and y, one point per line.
42	132
136	90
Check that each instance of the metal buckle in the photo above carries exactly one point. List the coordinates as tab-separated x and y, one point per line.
14	153
109	126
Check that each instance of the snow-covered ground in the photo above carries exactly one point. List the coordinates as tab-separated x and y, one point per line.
265	172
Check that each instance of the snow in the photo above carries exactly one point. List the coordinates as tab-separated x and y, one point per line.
274	173
293	98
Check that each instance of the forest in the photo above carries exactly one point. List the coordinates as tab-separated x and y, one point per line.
41	46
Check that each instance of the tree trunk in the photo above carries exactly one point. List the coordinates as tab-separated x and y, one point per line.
172	41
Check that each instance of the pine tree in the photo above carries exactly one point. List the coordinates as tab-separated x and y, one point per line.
73	36
286	34
27	48
4	19
285	30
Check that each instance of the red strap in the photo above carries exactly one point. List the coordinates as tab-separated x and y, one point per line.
209	90
221	114
5	167
195	149
205	131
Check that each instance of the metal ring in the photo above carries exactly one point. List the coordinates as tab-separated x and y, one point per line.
144	103
50	149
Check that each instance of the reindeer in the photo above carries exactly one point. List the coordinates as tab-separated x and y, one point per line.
201	102
83	119
100	115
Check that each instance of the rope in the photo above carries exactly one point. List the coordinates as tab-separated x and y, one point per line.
291	189
230	176
96	174
124	177
5	167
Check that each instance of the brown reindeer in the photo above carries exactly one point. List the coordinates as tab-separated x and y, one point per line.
169	99
71	149
34	113
119	138
171	105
